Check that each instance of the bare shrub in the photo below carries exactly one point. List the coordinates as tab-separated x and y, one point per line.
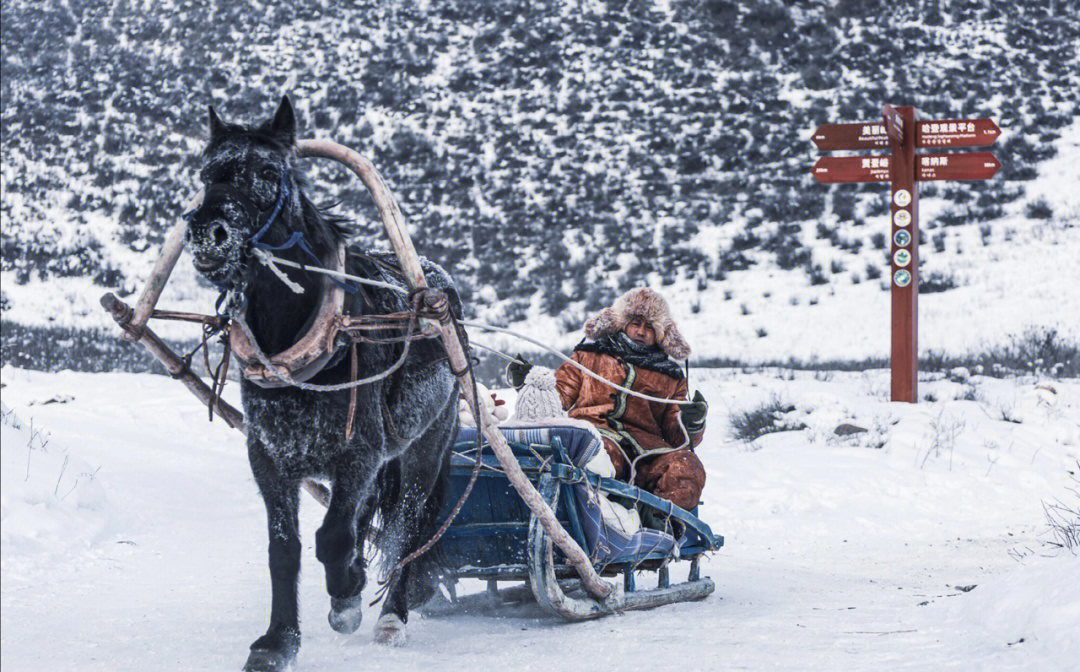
1039	209
1063	518
768	418
936	281
946	430
1039	350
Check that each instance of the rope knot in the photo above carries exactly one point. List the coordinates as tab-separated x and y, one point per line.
431	302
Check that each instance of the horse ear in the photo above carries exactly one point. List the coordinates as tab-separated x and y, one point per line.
216	125
284	124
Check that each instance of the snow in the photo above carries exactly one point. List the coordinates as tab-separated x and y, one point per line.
1005	611
52	503
841	552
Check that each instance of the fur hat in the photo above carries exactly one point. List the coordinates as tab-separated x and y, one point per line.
538	398
645	303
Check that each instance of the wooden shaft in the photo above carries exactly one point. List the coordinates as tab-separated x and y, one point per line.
172	362
155	284
455	350
181	316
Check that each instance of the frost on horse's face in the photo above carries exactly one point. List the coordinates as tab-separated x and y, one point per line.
246	176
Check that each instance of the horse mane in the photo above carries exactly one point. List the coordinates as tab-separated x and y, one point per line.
320	219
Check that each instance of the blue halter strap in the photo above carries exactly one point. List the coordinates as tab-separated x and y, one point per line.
297	239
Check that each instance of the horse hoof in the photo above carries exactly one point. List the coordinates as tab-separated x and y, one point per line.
262	660
345	614
390	631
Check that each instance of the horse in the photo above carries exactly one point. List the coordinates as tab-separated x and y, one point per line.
387	454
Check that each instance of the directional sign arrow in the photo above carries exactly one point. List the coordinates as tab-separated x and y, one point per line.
956	133
970	166
829	169
870	135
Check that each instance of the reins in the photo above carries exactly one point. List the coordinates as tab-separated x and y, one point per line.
272	260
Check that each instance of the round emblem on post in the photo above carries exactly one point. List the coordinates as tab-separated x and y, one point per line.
902	217
902	198
902	238
902	278
902	257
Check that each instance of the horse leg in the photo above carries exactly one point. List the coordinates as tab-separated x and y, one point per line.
339	547
423	481
277	649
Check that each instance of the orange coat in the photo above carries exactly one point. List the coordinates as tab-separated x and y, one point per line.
637	425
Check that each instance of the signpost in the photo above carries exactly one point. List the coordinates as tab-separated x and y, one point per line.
901	131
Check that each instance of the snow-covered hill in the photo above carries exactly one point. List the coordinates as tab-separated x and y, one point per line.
552	154
919	544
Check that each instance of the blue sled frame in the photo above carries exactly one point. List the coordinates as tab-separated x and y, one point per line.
496	538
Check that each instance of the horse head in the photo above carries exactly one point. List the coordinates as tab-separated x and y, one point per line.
252	197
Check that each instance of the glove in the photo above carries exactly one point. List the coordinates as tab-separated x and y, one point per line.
693	416
517	370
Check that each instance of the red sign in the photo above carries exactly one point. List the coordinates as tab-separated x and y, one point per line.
901	132
956	133
894	125
971	166
830	169
850	136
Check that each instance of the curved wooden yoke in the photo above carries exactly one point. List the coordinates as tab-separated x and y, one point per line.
134	327
311	352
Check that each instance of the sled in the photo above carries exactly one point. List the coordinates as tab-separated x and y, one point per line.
495	537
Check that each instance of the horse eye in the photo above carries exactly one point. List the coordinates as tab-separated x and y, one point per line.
268	174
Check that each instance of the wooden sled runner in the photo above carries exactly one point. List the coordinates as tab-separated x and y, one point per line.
542	520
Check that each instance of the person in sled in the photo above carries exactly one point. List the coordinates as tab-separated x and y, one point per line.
634	343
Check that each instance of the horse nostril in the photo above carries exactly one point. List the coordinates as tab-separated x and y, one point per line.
220	235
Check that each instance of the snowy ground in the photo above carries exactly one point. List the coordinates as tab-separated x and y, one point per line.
133	539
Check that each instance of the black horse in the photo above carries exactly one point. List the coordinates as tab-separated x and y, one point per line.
396	460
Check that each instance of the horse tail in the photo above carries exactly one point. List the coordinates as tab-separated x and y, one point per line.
386	495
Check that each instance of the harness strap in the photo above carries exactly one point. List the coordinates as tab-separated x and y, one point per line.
283	195
353	373
297	239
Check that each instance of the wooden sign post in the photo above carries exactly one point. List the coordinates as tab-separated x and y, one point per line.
902	132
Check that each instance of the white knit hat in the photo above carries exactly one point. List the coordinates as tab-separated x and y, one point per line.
538	399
